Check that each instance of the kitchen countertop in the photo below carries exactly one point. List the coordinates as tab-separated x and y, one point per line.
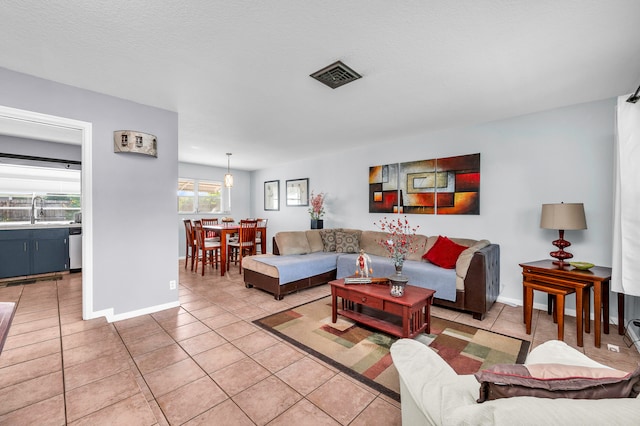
38	225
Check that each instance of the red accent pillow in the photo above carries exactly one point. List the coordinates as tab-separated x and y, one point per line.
444	253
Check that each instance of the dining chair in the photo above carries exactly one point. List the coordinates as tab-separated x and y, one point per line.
207	251
190	243
211	221
246	243
262	223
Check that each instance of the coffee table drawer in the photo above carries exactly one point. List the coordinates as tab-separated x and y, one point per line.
365	300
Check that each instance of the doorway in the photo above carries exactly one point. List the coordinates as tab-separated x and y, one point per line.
22	123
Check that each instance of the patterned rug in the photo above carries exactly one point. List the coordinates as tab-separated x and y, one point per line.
363	353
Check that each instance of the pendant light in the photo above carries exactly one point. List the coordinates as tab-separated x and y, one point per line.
228	178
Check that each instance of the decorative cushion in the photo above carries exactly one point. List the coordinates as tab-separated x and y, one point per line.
464	260
328	239
370	243
347	242
294	242
444	253
417	247
315	240
556	381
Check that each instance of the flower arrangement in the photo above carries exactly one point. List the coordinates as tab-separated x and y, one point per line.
317	206
401	237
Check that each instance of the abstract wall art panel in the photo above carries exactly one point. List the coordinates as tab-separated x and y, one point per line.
383	188
449	185
462	196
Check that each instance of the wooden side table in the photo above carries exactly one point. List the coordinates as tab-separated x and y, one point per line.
545	272
552	290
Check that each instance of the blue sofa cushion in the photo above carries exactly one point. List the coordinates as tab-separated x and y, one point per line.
298	266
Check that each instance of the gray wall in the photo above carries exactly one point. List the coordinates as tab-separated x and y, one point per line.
552	156
135	241
36	148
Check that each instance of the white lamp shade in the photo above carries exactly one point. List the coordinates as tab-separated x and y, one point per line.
563	216
228	180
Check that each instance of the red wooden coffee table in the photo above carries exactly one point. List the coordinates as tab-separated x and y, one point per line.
414	307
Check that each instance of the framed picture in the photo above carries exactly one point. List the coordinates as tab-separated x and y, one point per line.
298	192
272	195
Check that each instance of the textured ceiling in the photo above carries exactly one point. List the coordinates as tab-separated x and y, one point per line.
237	72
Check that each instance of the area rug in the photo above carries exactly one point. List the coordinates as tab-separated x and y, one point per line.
363	353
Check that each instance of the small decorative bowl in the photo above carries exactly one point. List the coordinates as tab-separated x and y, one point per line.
582	265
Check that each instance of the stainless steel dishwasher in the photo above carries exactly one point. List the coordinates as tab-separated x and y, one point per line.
75	249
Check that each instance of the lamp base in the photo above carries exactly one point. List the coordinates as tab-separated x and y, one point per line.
561	264
560	254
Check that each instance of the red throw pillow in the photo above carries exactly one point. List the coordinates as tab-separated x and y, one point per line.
444	253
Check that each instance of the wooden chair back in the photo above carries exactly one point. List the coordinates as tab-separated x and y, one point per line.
246	243
206	251
190	242
198	231
207	222
262	223
247	233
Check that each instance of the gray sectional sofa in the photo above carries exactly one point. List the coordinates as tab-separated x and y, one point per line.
303	259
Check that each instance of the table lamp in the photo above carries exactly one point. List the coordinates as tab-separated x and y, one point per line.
562	216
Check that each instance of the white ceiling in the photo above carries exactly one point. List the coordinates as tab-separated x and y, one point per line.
237	72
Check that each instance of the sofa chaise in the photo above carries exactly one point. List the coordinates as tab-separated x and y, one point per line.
303	259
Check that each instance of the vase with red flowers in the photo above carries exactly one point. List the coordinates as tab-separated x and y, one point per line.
316	210
399	242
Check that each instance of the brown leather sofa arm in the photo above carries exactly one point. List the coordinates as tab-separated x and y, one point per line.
482	283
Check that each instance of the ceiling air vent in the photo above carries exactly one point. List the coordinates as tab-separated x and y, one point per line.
336	75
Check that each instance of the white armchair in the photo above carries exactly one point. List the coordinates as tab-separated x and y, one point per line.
433	394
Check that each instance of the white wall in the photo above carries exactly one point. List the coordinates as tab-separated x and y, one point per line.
559	155
135	241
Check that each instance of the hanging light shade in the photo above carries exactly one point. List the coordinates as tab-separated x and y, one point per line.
228	178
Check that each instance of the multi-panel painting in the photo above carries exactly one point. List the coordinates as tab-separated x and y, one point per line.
438	186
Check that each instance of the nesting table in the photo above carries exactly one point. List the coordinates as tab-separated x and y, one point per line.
543	275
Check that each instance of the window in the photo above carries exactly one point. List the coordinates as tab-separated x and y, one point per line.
199	196
54	194
186	196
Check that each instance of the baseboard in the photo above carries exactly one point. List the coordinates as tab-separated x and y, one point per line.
543	307
111	317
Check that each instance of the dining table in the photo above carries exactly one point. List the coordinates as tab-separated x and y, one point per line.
225	230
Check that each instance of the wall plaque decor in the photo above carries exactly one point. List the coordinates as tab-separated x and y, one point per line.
137	142
448	185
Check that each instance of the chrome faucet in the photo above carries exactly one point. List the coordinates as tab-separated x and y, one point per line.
33	208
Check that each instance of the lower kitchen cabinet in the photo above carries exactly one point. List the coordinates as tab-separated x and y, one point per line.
33	251
15	258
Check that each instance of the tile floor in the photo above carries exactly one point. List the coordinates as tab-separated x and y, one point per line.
202	363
